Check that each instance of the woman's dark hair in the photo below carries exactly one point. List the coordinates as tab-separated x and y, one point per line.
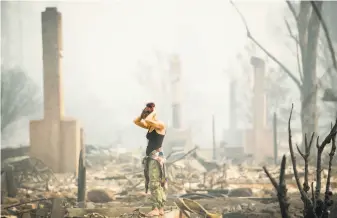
145	114
147	110
150	104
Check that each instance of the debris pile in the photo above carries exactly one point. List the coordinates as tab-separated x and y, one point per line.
115	187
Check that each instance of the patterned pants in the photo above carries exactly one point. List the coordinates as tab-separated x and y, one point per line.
158	196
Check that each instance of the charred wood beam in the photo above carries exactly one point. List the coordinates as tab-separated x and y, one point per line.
192	151
27	202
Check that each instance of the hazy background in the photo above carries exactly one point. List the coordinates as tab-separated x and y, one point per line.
104	41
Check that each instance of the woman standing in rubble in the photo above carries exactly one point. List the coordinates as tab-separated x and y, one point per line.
154	169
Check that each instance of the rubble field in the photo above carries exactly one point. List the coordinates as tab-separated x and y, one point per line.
113	185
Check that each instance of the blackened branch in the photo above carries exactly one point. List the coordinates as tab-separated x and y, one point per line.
297	44
293	11
314	207
313	199
299	151
331	135
310	143
320	149
318	168
304	197
272	180
291	34
281	189
305	157
249	35
306	162
328	193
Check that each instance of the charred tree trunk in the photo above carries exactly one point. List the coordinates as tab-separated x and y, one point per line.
308	28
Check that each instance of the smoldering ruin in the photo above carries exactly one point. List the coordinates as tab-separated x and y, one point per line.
257	171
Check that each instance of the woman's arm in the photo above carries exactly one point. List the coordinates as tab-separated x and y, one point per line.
139	122
151	122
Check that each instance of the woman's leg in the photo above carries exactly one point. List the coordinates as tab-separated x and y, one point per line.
155	188
156	196
162	202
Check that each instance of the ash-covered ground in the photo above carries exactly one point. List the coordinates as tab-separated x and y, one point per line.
117	181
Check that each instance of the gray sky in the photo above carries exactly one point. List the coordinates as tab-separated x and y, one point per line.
104	41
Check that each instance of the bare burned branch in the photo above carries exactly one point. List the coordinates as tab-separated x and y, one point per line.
314	207
249	35
299	151
313	199
304	197
306	162
330	136
320	149
292	9
291	34
272	180
310	143
297	44
318	169
317	9
281	188
328	193
305	157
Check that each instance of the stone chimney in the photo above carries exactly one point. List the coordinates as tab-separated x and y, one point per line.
259	98
259	110
55	140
